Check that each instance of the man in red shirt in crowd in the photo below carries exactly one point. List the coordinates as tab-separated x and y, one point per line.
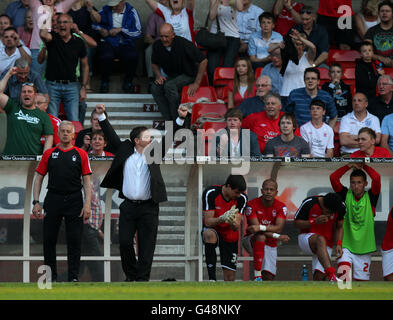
366	140
387	249
316	218
41	102
222	213
265	123
266	219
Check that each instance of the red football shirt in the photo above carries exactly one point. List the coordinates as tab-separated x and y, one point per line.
387	242
264	127
310	209
285	21
330	7
213	199
266	215
379	152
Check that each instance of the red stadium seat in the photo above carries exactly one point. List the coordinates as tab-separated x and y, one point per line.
324	73
349	74
62	115
258	72
205	80
216	126
222	93
222	76
200	109
389	71
202	92
345	57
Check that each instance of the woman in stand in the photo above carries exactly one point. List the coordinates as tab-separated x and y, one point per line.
243	85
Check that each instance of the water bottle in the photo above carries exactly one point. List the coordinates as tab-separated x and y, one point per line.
304	273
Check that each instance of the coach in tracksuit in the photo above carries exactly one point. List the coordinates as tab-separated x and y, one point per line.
65	165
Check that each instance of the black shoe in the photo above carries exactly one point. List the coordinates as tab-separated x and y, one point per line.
104	87
128	87
128	280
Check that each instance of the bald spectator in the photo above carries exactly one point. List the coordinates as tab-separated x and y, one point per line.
367	138
25	31
256	104
382	105
352	122
64	52
12	49
16	10
120	27
25	124
11	83
176	63
41	102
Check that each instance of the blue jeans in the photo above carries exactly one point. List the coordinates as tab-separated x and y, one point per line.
228	55
69	94
35	66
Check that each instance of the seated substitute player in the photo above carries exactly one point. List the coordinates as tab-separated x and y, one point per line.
266	219
359	239
317	217
222	209
387	249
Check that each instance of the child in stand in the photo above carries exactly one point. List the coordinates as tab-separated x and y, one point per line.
367	71
340	91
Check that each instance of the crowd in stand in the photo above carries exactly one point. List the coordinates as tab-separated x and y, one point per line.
283	50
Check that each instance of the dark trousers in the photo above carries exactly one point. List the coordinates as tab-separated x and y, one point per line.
57	207
228	56
167	95
91	247
144	219
127	55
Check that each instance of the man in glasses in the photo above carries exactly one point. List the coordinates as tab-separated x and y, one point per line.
316	33
11	83
64	51
382	105
256	104
25	124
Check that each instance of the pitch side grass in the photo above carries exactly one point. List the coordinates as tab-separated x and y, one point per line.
198	291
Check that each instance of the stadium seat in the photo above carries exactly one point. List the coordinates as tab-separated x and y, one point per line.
348	74
215	110
324	73
214	125
202	92
62	115
205	80
389	71
345	57
258	72
222	76
222	93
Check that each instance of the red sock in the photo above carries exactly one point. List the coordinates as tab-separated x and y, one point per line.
258	252
330	271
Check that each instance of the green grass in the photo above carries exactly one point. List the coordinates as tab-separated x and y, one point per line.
197	291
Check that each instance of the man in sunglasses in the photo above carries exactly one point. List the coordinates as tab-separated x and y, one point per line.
26	124
316	33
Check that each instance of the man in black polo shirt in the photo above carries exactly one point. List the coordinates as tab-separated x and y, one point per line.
176	62
64	52
316	33
65	165
382	105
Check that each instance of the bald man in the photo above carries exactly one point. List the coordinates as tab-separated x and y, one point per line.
176	63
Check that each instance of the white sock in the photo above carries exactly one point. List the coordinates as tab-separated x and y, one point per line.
257	273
